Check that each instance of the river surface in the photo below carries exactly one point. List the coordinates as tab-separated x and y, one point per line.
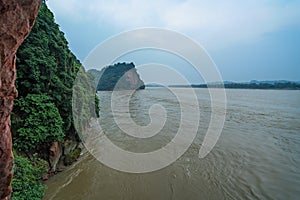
256	157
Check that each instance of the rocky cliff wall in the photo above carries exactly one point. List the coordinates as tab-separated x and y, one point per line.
16	20
120	76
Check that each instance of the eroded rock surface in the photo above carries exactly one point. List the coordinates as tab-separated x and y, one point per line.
16	20
55	155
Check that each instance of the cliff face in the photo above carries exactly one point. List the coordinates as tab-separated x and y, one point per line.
120	76
16	20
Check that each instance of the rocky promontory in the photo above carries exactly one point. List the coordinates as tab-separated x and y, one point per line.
120	76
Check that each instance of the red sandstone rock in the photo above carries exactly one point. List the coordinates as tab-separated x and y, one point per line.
55	155
16	20
133	78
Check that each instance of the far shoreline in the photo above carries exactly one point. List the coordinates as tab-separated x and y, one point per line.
256	85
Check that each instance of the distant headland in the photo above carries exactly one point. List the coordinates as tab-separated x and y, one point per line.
120	76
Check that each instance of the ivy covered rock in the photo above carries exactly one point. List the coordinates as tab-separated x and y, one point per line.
46	65
42	117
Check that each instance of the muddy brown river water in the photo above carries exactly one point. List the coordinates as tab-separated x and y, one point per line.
256	157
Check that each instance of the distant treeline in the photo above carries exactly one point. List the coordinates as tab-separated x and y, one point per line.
275	86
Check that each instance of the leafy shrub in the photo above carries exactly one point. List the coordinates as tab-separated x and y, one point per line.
37	123
26	181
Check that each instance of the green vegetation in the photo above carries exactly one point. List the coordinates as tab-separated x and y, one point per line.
85	103
258	85
42	114
46	65
115	77
27	178
39	123
71	157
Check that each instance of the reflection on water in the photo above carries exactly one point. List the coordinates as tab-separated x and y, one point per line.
256	157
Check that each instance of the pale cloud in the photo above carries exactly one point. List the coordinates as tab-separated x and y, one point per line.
215	23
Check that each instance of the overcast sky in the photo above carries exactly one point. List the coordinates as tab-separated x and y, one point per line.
250	39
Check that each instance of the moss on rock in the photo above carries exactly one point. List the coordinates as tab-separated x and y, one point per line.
72	157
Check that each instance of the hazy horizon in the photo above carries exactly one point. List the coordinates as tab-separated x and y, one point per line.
255	40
